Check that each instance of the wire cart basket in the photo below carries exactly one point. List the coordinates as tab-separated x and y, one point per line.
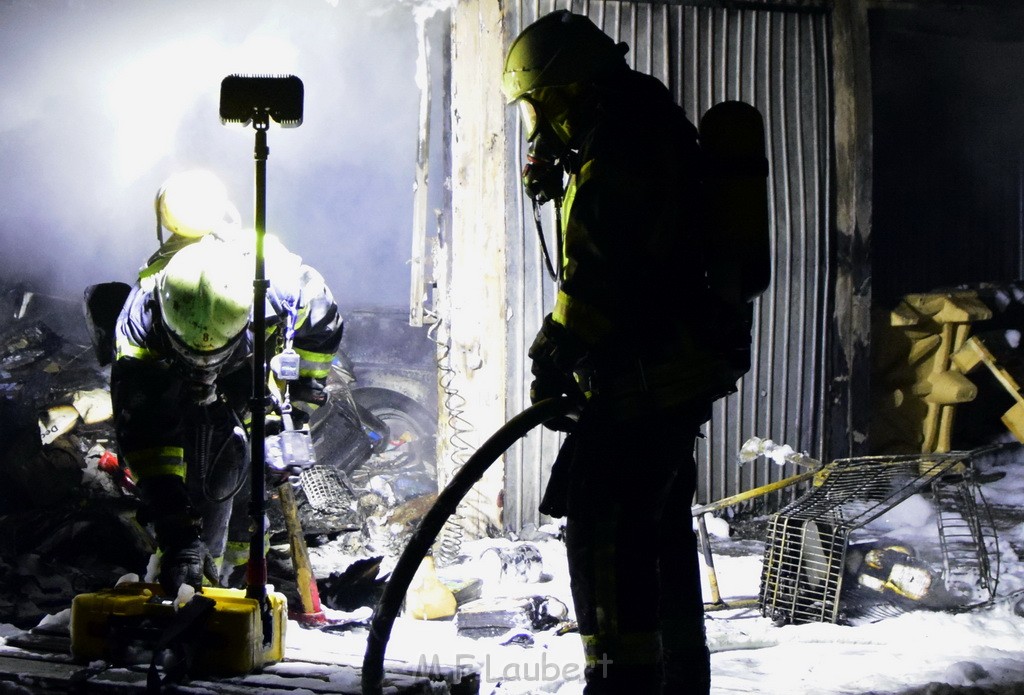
841	552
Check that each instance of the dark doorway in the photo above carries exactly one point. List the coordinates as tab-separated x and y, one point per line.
948	93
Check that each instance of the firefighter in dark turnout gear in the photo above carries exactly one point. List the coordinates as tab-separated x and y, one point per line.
181	382
632	330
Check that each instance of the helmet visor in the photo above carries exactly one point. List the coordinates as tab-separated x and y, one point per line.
530	117
204	360
553	106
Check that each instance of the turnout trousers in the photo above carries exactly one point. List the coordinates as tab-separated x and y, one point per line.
219	489
632	552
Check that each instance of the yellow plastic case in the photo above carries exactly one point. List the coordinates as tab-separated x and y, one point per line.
112	623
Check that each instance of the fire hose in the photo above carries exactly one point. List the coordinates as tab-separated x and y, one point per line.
423	538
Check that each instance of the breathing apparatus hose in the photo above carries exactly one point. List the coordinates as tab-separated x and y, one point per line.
423	538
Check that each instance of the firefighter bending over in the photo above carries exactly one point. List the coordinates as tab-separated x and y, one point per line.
633	330
182	379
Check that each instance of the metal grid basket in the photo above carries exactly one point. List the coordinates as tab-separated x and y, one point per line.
829	559
326	501
325	489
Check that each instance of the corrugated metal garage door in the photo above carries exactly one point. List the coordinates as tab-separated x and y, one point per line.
777	58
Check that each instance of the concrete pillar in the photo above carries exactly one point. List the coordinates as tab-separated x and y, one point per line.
472	288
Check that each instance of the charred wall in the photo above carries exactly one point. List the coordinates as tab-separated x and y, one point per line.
949	153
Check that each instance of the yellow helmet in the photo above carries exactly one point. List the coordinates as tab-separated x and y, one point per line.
205	295
560	48
194	203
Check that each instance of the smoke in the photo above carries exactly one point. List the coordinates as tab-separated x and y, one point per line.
105	99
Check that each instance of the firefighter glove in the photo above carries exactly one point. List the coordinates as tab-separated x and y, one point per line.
555	347
555	353
551	383
308	393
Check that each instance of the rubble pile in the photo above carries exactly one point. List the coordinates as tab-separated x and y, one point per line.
67	521
507	592
66	506
65	495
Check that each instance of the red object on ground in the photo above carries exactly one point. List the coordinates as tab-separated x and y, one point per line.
108	462
310	620
111	465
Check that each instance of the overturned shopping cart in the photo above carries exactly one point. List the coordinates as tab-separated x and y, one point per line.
877	535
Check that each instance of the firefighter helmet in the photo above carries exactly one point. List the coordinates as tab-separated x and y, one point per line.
205	298
560	48
194	203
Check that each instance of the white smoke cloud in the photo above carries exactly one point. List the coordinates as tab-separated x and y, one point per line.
102	100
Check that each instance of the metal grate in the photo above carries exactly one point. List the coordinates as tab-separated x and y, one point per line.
829	559
324	490
966	530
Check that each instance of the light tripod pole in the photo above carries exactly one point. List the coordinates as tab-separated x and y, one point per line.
257	567
258	100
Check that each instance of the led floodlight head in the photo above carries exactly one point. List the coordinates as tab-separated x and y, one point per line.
245	98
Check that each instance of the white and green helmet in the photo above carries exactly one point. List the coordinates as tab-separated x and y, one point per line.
205	294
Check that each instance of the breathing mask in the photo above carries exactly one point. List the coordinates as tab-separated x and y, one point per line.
544	170
199	370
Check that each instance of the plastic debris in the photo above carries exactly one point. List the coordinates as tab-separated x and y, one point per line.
495	617
520	563
428	598
779	454
57	421
93	405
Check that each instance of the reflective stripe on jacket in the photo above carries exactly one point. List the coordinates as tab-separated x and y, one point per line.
147	386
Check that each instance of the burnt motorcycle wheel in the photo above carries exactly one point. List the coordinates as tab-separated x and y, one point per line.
409	422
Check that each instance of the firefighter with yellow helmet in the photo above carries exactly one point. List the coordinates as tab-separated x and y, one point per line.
182	378
190	205
630	334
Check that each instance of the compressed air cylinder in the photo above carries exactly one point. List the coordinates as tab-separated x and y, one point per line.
736	194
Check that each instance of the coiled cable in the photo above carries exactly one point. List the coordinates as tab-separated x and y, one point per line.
204	442
449	542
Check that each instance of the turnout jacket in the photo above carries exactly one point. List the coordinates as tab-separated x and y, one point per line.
634	296
153	414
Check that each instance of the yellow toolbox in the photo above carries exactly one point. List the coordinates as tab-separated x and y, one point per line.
125	622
